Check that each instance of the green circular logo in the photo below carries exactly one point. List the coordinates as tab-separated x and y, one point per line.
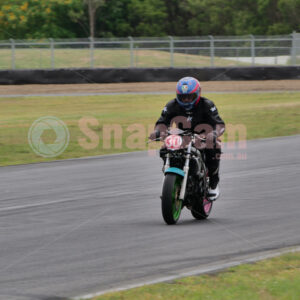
59	132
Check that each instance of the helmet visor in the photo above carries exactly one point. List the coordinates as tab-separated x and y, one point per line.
187	98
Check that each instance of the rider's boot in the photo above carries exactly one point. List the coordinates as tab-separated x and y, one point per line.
213	164
213	190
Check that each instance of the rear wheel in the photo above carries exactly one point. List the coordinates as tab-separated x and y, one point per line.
170	203
202	208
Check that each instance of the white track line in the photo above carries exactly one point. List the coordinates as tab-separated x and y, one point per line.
202	270
83	94
136	93
18	207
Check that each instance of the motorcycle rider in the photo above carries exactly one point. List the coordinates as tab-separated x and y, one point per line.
189	110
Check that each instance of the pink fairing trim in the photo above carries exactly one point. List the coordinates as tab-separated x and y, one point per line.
207	206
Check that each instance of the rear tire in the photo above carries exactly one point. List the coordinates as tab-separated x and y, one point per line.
202	209
170	203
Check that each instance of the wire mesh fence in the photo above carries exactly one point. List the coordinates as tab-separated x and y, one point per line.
205	51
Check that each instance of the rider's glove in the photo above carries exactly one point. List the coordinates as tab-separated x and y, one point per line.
154	135
200	141
211	139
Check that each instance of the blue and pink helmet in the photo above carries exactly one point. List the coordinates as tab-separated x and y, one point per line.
188	87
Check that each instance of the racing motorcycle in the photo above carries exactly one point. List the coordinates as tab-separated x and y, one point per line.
186	178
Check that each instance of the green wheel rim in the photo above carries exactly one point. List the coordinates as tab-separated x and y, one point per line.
176	203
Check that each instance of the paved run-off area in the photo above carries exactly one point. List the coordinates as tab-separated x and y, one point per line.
76	227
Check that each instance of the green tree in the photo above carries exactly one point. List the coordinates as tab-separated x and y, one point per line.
38	19
114	19
209	17
147	17
289	11
121	18
132	17
177	17
244	17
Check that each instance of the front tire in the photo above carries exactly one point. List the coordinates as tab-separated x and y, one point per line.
170	203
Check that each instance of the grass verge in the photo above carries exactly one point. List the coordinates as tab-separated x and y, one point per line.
112	124
113	58
272	279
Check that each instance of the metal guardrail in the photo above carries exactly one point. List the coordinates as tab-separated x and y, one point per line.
208	51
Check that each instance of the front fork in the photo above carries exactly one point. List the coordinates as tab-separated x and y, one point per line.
186	172
185	169
167	164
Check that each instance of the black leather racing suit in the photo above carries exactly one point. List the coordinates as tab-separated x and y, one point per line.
203	118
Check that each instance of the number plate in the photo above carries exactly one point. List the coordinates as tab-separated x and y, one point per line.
173	142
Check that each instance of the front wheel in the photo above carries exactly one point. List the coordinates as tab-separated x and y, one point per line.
170	203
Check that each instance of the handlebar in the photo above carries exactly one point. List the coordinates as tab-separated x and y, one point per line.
185	133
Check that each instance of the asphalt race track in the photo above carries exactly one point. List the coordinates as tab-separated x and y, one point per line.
81	226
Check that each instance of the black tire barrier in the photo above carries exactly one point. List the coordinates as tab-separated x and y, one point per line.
106	75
